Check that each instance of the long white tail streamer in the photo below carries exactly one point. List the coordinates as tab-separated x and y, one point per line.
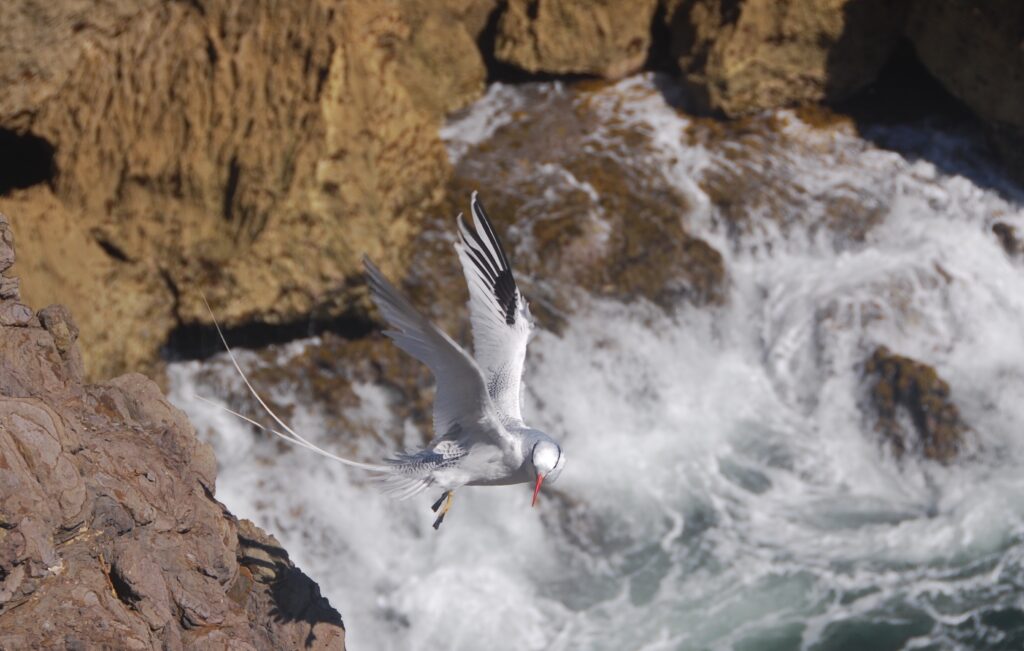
292	437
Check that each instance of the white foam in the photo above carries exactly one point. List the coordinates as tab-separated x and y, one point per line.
723	483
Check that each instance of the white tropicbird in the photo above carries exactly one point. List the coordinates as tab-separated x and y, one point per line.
480	437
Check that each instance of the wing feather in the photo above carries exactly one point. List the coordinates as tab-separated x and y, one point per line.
462	399
500	316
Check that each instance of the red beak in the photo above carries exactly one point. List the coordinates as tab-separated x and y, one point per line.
536	489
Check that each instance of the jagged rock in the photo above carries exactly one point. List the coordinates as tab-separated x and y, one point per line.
974	50
902	387
746	56
254	155
12	312
605	38
6	244
110	534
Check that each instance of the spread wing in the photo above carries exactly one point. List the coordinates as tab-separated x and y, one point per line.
462	401
500	317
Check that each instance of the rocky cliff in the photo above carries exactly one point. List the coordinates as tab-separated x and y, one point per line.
153	149
110	534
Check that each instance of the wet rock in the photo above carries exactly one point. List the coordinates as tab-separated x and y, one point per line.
1009	238
610	221
756	181
605	38
743	57
110	533
906	392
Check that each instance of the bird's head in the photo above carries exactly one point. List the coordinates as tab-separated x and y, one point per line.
548	461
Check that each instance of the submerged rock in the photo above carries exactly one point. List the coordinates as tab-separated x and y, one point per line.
1009	238
902	387
110	534
585	205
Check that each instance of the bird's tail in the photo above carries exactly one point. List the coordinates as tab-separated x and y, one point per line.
291	436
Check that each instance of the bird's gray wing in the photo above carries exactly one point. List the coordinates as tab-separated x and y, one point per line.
499	314
461	402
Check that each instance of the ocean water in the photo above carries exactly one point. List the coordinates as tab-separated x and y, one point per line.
725	487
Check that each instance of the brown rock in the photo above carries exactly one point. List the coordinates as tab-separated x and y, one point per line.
110	535
603	37
1009	238
617	229
13	313
6	244
903	385
56	319
252	155
742	57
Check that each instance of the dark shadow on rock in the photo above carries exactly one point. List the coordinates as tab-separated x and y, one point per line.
199	341
296	597
906	110
25	160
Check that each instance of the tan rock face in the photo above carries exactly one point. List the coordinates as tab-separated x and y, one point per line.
742	57
441	67
608	38
110	535
252	154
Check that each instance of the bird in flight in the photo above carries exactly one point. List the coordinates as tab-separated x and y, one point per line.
480	437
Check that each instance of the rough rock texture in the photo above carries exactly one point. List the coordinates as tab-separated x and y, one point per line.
906	392
620	226
608	38
975	50
742	57
110	535
441	65
252	153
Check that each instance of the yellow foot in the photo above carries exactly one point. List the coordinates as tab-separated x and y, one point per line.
447	497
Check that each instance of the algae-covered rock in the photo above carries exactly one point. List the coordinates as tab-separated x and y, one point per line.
902	387
580	201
